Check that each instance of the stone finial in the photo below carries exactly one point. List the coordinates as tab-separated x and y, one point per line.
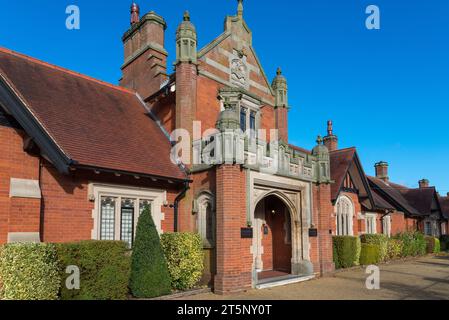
186	16
330	128
240	8
279	71
319	140
135	13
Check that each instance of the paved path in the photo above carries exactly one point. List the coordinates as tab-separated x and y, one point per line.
424	278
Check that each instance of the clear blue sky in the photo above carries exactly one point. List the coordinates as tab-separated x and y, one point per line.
387	91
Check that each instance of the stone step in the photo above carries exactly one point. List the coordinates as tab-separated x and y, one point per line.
282	281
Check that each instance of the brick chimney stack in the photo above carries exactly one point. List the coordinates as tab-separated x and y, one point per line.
331	140
382	171
145	66
424	183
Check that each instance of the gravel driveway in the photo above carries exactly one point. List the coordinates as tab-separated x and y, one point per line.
423	278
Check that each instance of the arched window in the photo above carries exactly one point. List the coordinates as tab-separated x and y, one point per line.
206	219
344	215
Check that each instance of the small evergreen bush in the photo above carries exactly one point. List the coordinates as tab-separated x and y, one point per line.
185	258
346	251
379	239
149	271
104	269
370	254
29	272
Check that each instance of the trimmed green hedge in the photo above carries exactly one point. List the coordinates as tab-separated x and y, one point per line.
346	251
104	269
433	245
379	239
29	272
414	244
149	271
370	254
395	248
185	255
444	240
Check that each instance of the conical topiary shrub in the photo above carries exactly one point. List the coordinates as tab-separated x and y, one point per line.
149	272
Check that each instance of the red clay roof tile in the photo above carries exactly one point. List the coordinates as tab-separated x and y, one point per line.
95	123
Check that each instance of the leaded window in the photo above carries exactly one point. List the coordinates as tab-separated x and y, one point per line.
119	217
107	228
127	221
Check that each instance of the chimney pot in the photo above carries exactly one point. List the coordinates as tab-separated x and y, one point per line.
424	183
382	171
331	140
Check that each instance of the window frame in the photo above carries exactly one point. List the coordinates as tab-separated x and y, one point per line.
156	198
344	219
371	223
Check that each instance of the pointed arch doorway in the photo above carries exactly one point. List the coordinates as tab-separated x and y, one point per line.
274	234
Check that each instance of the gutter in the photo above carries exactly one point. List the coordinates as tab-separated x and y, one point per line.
176	205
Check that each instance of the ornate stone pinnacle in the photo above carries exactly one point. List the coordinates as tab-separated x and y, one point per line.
186	16
279	71
240	8
319	140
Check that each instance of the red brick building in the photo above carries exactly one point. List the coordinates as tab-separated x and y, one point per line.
206	146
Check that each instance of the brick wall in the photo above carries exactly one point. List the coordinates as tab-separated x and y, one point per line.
234	259
281	115
68	211
17	214
321	246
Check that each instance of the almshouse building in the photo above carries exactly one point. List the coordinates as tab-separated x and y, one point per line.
206	147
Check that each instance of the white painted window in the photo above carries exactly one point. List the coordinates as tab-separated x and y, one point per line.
428	228
117	210
443	228
371	224
344	216
386	224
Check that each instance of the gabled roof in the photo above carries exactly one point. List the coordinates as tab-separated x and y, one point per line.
414	202
345	162
381	203
421	199
78	121
444	203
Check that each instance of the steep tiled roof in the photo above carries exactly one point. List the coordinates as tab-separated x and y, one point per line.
340	160
381	203
416	202
94	123
444	203
420	199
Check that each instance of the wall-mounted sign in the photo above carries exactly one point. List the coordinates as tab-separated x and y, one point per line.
313	233
247	233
